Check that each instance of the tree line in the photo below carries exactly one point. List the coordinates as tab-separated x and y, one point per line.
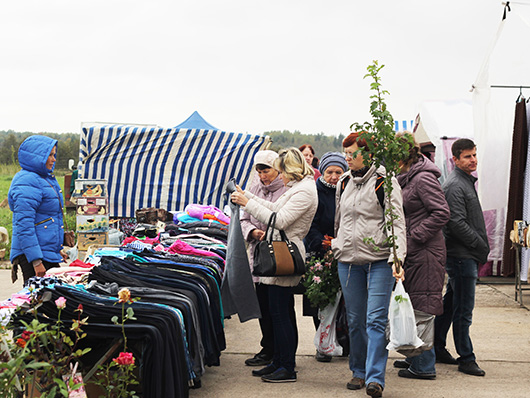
321	143
68	144
67	147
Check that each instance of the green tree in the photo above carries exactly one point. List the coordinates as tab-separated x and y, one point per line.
384	147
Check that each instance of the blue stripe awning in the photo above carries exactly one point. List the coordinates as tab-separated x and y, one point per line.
149	166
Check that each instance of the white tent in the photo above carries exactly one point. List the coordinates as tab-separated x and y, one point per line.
494	106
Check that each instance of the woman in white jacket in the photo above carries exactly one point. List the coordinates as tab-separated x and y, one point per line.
364	262
294	210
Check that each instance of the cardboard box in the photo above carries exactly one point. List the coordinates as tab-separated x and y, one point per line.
90	188
94	223
84	240
87	206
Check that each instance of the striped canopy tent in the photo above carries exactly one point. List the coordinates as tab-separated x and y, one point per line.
151	166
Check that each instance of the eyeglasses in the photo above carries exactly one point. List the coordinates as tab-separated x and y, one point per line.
350	154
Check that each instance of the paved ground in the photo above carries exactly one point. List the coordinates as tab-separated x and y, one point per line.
500	333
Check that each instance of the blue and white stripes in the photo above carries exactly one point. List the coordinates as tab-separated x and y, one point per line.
150	166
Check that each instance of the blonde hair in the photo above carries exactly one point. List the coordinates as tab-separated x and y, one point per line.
292	164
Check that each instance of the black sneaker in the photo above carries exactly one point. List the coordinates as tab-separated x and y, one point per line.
265	371
444	356
323	357
280	375
471	368
401	364
260	359
407	373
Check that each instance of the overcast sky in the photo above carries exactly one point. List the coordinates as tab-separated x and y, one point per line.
244	65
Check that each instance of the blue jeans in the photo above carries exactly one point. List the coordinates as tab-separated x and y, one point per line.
463	274
367	289
280	299
424	363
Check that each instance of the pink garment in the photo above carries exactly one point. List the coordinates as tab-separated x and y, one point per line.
159	248
181	247
199	211
145	240
16	300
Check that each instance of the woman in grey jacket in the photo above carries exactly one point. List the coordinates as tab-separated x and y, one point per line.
294	212
365	270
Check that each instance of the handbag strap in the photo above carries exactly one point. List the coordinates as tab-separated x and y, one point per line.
270	230
56	193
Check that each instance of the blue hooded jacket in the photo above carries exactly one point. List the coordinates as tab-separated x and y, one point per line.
36	200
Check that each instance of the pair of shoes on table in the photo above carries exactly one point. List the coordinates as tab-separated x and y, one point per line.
280	375
374	389
271	368
323	357
407	373
470	368
401	364
260	359
355	383
444	356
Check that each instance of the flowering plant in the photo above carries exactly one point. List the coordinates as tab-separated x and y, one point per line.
43	356
117	375
321	281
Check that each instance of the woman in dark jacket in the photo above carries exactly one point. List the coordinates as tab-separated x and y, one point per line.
36	200
426	212
332	166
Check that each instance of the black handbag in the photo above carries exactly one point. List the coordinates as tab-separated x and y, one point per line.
277	258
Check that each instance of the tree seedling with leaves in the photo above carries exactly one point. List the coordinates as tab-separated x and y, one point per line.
383	148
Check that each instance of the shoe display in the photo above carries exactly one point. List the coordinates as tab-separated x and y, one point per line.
444	356
280	375
411	375
401	364
323	357
374	389
265	371
260	359
355	383
471	368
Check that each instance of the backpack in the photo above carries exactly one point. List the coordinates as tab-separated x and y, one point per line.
379	189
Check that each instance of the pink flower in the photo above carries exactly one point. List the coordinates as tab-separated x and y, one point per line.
60	303
316	279
124	359
318	266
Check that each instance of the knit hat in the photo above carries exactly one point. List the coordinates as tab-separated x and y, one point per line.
332	159
266	158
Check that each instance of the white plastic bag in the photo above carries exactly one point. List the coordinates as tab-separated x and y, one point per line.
401	320
326	335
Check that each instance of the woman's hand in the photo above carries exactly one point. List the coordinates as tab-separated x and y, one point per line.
239	197
398	272
39	269
257	234
64	255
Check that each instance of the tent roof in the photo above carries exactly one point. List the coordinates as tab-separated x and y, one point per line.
195	121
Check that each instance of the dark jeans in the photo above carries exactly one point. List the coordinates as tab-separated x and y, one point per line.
284	333
27	269
265	322
459	301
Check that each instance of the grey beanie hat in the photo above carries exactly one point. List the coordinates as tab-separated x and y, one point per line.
332	159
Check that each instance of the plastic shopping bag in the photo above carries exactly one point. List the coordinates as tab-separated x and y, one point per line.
402	323
326	335
425	329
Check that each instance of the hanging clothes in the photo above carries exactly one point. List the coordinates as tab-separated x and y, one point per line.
237	289
525	252
516	187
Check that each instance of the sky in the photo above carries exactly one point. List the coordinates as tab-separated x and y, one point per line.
244	65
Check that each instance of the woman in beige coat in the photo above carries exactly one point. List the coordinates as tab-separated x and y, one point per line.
294	210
